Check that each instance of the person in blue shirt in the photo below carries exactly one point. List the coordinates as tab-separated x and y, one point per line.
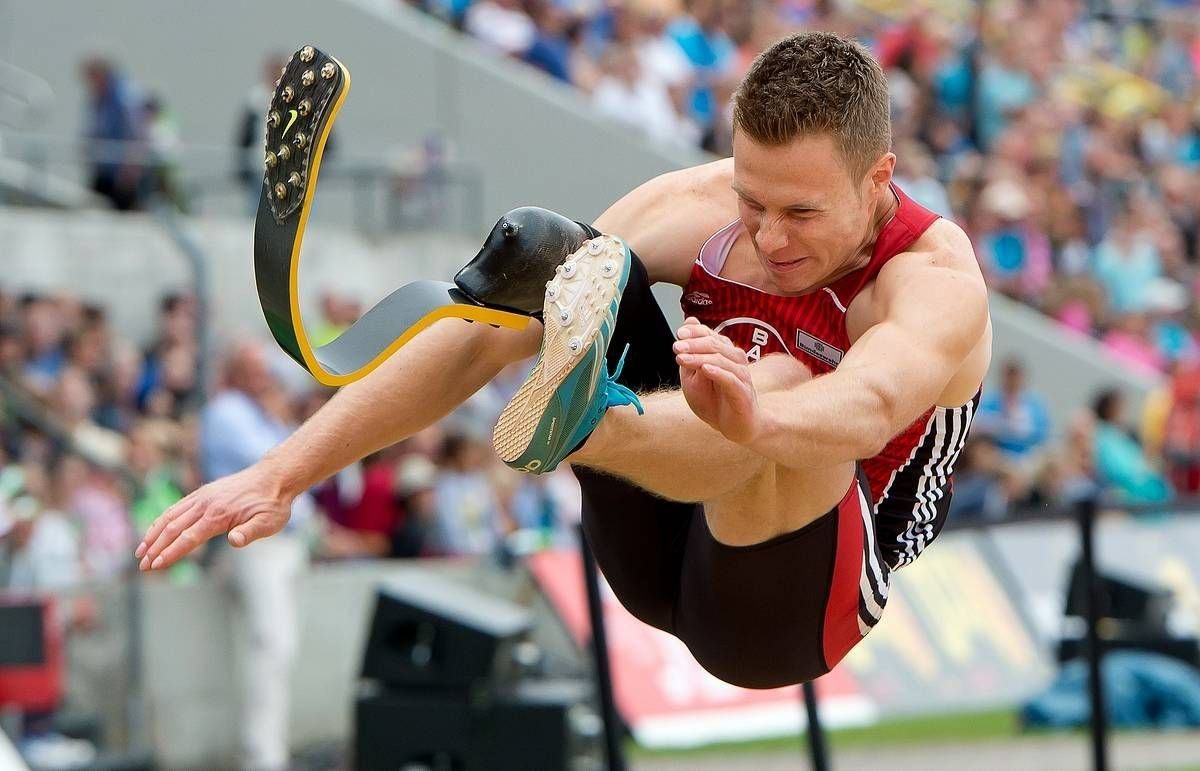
113	126
1015	418
701	36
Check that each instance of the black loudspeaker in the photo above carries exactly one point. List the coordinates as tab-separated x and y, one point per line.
544	725
1132	616
431	632
1121	599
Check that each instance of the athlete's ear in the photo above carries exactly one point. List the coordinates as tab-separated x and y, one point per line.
881	173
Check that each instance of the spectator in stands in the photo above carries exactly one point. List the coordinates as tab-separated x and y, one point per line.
979	489
160	127
74	400
43	338
44	548
114	128
160	484
1005	86
247	418
1121	465
501	24
702	36
416	482
362	507
626	94
98	505
468	510
1127	264
553	43
1014	254
168	373
1178	428
1015	418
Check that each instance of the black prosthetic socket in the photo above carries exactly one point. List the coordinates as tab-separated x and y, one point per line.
518	258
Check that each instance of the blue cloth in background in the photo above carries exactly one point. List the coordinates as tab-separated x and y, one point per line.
1142	690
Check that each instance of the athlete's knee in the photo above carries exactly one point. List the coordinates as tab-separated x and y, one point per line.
518	258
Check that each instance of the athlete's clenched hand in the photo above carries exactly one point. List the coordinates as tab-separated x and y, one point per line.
715	377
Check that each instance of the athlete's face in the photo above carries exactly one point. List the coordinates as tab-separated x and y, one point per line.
808	218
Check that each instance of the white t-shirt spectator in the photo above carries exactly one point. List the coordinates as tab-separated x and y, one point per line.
663	60
51	559
506	28
645	105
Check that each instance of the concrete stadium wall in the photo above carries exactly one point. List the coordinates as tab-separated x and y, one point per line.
190	674
127	262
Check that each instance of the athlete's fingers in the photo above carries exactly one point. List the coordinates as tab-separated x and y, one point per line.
168	535
712	344
729	383
700	361
159	524
692	328
187	540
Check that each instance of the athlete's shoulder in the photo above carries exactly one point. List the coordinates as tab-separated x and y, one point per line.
944	246
666	219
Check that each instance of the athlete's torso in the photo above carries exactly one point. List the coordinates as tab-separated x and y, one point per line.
910	478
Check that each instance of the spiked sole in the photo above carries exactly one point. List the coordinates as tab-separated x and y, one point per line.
578	303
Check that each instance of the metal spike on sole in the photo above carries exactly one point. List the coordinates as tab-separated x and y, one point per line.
585	296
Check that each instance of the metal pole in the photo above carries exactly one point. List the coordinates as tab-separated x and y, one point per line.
1099	727
817	748
613	751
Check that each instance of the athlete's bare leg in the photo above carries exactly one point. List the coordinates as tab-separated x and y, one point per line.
672	453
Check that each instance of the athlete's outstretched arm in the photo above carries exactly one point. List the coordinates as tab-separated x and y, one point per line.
422	382
933	319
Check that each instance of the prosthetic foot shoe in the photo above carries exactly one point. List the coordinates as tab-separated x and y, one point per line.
306	101
570	388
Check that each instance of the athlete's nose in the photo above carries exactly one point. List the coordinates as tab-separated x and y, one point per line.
771	236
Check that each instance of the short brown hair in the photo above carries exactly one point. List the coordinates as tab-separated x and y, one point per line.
817	82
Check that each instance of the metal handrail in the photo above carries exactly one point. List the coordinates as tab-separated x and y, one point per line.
208	172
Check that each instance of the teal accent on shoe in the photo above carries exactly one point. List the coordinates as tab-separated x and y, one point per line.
614	395
581	399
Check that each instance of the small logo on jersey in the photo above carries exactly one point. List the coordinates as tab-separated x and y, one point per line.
698	298
831	355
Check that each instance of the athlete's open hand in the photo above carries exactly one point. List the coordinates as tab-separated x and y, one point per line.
246	505
715	376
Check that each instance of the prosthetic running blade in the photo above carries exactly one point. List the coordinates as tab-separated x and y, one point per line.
306	101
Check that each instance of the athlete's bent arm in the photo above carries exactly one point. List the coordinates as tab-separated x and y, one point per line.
932	320
419	384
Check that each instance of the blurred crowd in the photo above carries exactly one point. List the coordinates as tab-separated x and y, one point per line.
1062	134
129	437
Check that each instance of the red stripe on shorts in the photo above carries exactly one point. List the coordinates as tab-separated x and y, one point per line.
841	631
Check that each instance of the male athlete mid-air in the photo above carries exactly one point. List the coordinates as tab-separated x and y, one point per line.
750	485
